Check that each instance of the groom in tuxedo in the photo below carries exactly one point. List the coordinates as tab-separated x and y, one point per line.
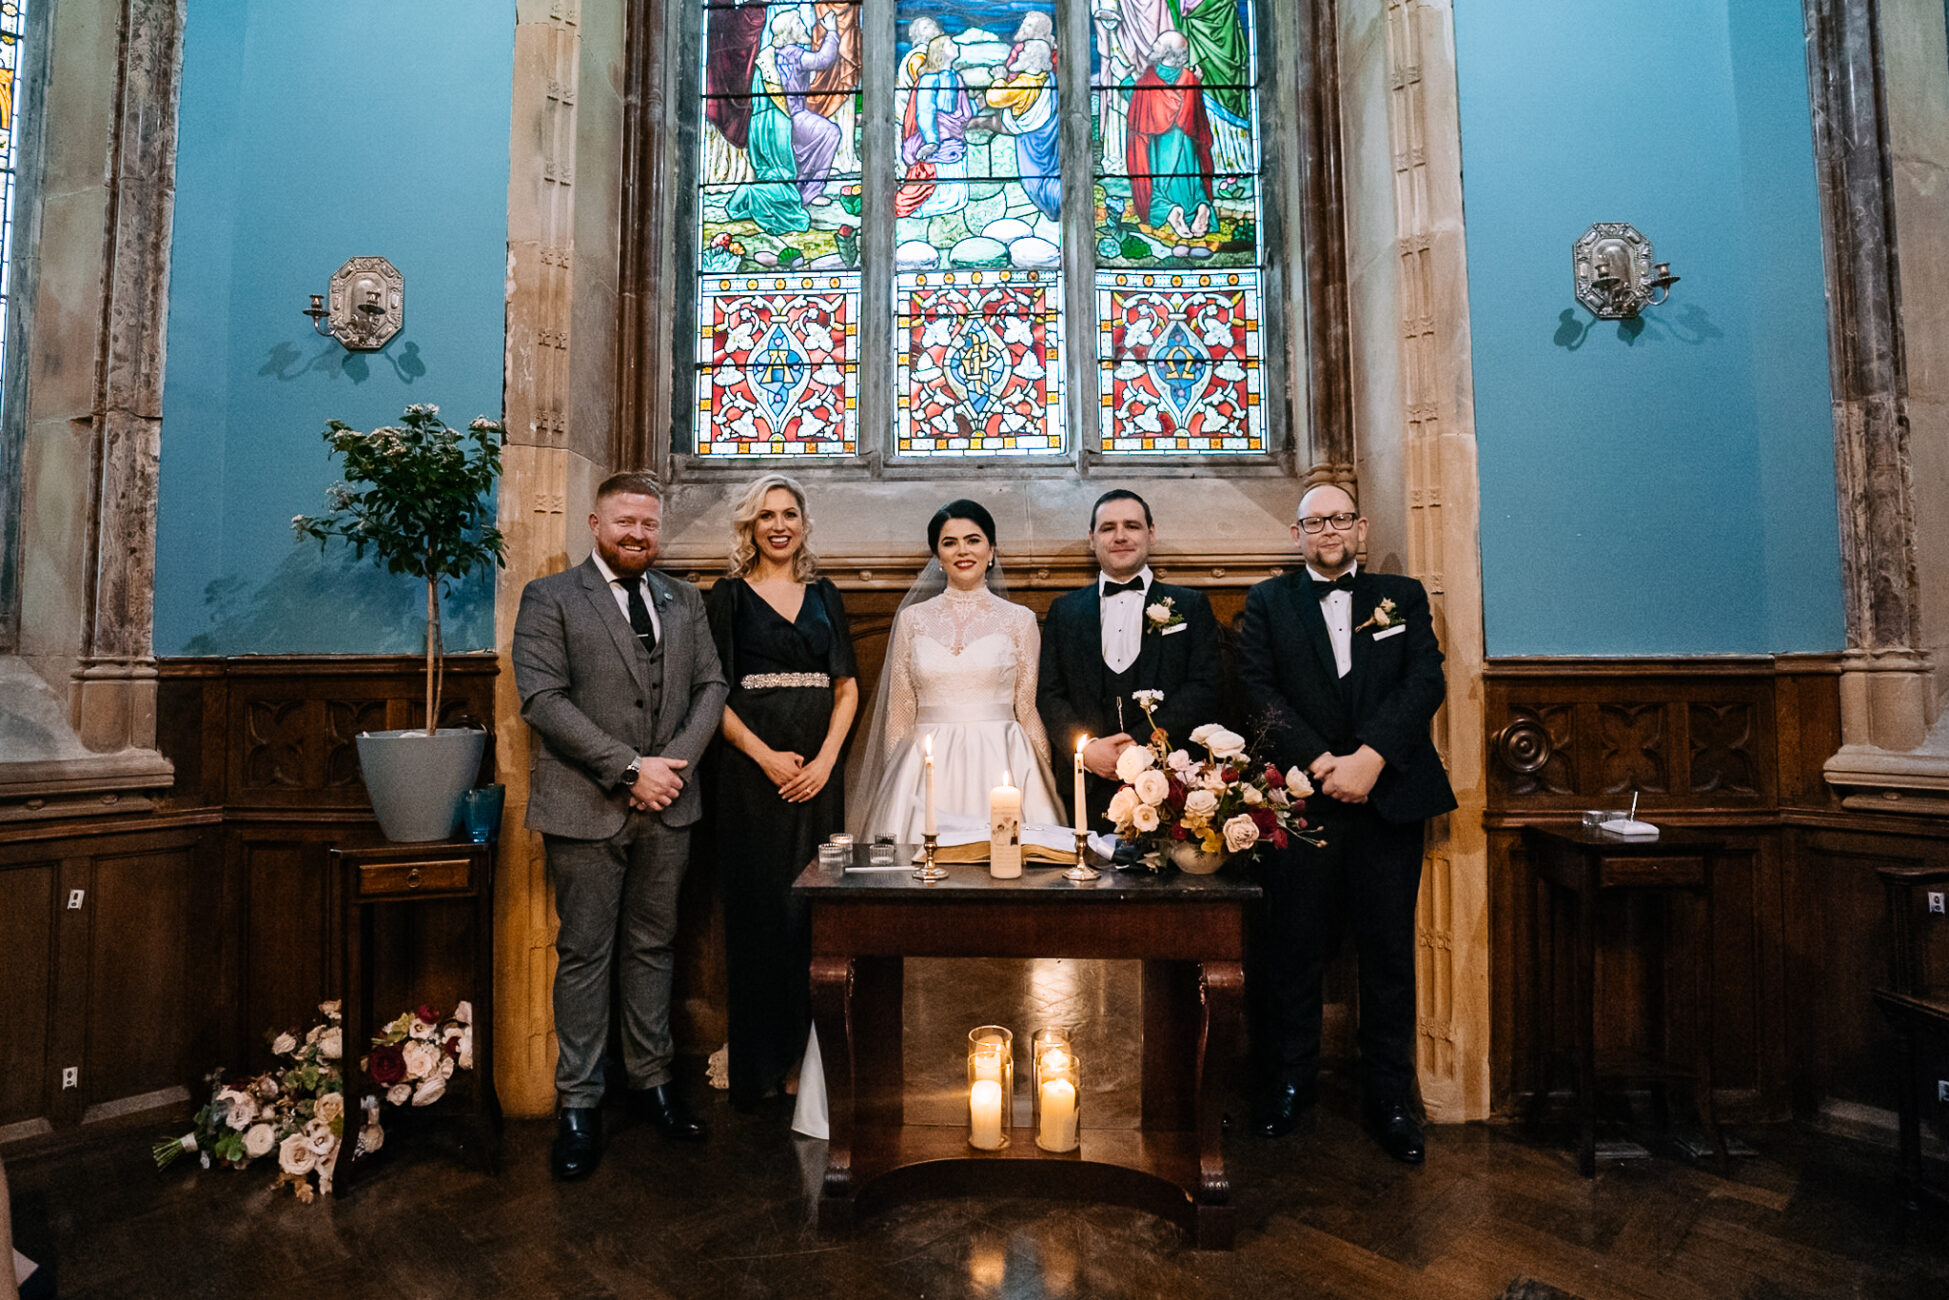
1348	672
1125	632
620	683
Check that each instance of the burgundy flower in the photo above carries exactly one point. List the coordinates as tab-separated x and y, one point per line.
1278	838
1264	819
1272	776
387	1064
1230	774
1176	797
1179	833
426	1013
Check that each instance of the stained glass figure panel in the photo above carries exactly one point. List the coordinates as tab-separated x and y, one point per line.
980	364
777	366
13	15
1180	369
1180	221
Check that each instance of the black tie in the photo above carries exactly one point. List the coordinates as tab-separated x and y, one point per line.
1324	589
1118	588
639	614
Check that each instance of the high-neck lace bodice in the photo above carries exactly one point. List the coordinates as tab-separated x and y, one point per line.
964	655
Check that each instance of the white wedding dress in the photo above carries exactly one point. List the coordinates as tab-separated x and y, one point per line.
963	670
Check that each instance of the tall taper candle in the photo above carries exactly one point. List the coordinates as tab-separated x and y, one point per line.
928	747
1082	807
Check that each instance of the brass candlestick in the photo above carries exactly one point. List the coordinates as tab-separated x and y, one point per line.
1082	871
929	871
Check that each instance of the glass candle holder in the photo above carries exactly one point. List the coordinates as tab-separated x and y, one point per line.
991	1086
834	858
882	855
840	838
1058	1100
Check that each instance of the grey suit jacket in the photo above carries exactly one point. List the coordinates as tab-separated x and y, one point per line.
580	673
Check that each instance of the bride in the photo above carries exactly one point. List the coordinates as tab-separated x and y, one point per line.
961	669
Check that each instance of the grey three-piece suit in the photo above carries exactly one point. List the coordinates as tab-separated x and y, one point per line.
596	700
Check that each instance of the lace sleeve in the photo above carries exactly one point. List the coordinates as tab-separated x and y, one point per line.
1028	659
903	704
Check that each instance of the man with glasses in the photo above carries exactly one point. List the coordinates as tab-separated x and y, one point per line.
1347	668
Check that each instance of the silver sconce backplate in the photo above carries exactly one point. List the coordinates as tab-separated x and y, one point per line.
366	304
1614	274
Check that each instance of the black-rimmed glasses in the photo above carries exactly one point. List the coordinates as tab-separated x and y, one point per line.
1341	522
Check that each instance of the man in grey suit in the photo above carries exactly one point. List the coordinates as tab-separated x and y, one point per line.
619	680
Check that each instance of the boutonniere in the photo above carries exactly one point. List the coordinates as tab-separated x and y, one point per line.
1383	618
1162	614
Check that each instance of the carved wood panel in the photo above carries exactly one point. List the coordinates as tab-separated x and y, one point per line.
1722	749
1631	749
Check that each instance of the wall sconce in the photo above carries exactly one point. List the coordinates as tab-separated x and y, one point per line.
1613	272
367	307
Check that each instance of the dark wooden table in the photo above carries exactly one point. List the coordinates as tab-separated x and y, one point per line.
393	874
1584	866
1189	932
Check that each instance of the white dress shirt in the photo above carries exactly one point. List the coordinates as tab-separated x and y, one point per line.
1123	621
619	588
1337	610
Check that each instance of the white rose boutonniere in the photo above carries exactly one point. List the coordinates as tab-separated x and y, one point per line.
1384	616
1160	614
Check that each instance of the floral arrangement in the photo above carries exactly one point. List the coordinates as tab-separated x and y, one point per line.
1226	802
295	1112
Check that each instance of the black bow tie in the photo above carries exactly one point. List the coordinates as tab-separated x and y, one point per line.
1324	589
1118	588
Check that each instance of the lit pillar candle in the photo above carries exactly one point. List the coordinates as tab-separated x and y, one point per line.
1082	803
928	826
985	1114
1005	830
1058	1131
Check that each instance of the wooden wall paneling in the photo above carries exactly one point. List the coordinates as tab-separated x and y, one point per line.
27	903
141	1004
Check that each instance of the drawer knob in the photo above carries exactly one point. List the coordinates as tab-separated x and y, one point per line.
413	878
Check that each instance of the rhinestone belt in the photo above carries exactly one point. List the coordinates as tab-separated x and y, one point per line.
758	681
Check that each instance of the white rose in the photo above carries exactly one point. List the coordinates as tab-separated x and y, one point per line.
330	1009
318	1136
284	1045
313	1034
1252	796
240	1110
1224	744
295	1156
1297	784
258	1140
446	1066
1145	818
1122	804
1152	786
1158	613
1134	759
1200	804
1178	761
1241	833
421	1058
329	1107
1198	734
429	1091
1214	780
464	1013
400	1093
466	1057
332	1045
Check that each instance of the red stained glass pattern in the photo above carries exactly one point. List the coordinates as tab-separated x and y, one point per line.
980	371
777	366
1181	363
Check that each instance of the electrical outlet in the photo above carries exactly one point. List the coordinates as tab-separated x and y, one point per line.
71	1077
74	899
1935	902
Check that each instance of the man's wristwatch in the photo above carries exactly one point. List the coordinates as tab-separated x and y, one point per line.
630	774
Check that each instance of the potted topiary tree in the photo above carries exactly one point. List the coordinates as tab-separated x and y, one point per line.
416	497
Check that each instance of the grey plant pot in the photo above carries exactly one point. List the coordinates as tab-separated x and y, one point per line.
416	781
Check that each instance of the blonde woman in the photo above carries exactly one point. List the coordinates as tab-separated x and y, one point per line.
783	639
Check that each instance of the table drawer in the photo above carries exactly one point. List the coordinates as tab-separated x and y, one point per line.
1642	873
393	879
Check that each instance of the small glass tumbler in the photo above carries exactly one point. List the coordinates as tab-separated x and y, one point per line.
1058	1100
882	853
835	858
480	812
991	1086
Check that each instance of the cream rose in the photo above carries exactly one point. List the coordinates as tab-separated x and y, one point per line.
1158	613
1241	833
1252	796
318	1136
329	1107
1134	759
1122	804
1224	744
422	1058
429	1091
464	1013
295	1156
1178	760
1200	804
1213	779
1152	786
284	1044
239	1109
1297	783
446	1066
259	1139
400	1093
1145	818
1199	734
332	1045
466	1057
330	1010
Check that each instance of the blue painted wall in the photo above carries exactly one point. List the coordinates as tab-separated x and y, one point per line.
1666	489
311	133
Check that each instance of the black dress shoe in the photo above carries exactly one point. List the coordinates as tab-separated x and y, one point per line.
666	1113
1283	1106
1393	1126
578	1143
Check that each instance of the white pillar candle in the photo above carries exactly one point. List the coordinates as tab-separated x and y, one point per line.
928	826
1082	803
1005	830
1058	1130
985	1114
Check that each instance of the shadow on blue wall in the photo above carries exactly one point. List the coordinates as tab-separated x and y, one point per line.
286	362
1692	325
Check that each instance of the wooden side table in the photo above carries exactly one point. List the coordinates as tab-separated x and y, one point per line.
400	874
1583	866
1917	1006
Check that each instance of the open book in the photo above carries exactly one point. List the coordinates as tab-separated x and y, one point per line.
965	839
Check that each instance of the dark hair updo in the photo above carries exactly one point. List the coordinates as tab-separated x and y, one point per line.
973	511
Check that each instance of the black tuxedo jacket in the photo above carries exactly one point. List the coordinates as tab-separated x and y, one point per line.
1075	693
1387	700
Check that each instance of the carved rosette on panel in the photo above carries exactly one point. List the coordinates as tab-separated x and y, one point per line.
274	743
1631	754
1722	749
344	720
1533	750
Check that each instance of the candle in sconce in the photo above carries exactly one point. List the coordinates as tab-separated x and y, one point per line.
927	747
1082	805
1005	830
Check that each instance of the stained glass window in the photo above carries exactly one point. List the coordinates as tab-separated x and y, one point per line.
12	17
1174	143
778	262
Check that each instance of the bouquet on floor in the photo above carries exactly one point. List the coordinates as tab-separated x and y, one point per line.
293	1113
414	1055
1200	810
